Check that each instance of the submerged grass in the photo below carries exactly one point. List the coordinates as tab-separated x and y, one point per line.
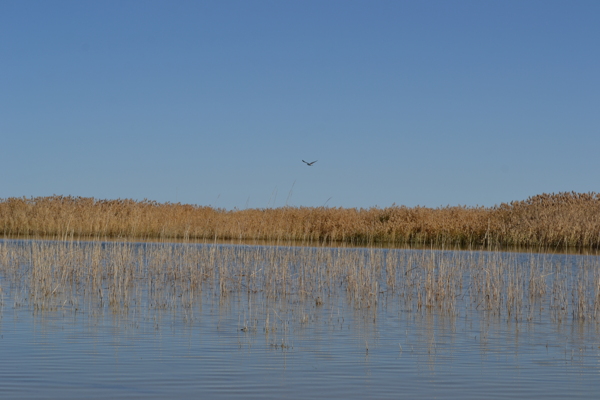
548	220
50	275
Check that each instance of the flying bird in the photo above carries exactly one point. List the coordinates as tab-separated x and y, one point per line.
309	163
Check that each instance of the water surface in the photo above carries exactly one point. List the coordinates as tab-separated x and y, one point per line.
253	345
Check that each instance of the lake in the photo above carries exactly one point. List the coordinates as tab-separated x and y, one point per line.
160	320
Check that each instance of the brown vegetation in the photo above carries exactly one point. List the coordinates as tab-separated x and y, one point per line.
551	220
89	276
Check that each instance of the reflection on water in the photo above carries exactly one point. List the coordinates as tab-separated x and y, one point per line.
162	321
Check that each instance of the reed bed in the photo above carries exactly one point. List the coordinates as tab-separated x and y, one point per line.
547	220
51	275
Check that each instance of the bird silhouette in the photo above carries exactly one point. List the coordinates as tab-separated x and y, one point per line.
309	163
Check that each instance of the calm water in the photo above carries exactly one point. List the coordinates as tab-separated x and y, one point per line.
220	348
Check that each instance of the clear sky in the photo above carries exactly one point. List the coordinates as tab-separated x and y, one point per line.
427	103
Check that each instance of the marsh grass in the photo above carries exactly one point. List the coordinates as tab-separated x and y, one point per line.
286	286
548	220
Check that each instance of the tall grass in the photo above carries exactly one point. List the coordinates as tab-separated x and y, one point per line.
548	220
47	275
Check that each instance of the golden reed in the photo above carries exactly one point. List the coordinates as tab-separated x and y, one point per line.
548	220
92	275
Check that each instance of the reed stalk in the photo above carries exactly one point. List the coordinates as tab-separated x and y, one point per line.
121	276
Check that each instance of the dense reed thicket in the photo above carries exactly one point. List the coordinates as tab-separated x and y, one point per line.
552	220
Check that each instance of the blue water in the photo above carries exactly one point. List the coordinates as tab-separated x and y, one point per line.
220	349
67	355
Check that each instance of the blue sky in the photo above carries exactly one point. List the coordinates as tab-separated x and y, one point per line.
427	103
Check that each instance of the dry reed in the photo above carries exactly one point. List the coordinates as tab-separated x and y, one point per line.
120	276
548	220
